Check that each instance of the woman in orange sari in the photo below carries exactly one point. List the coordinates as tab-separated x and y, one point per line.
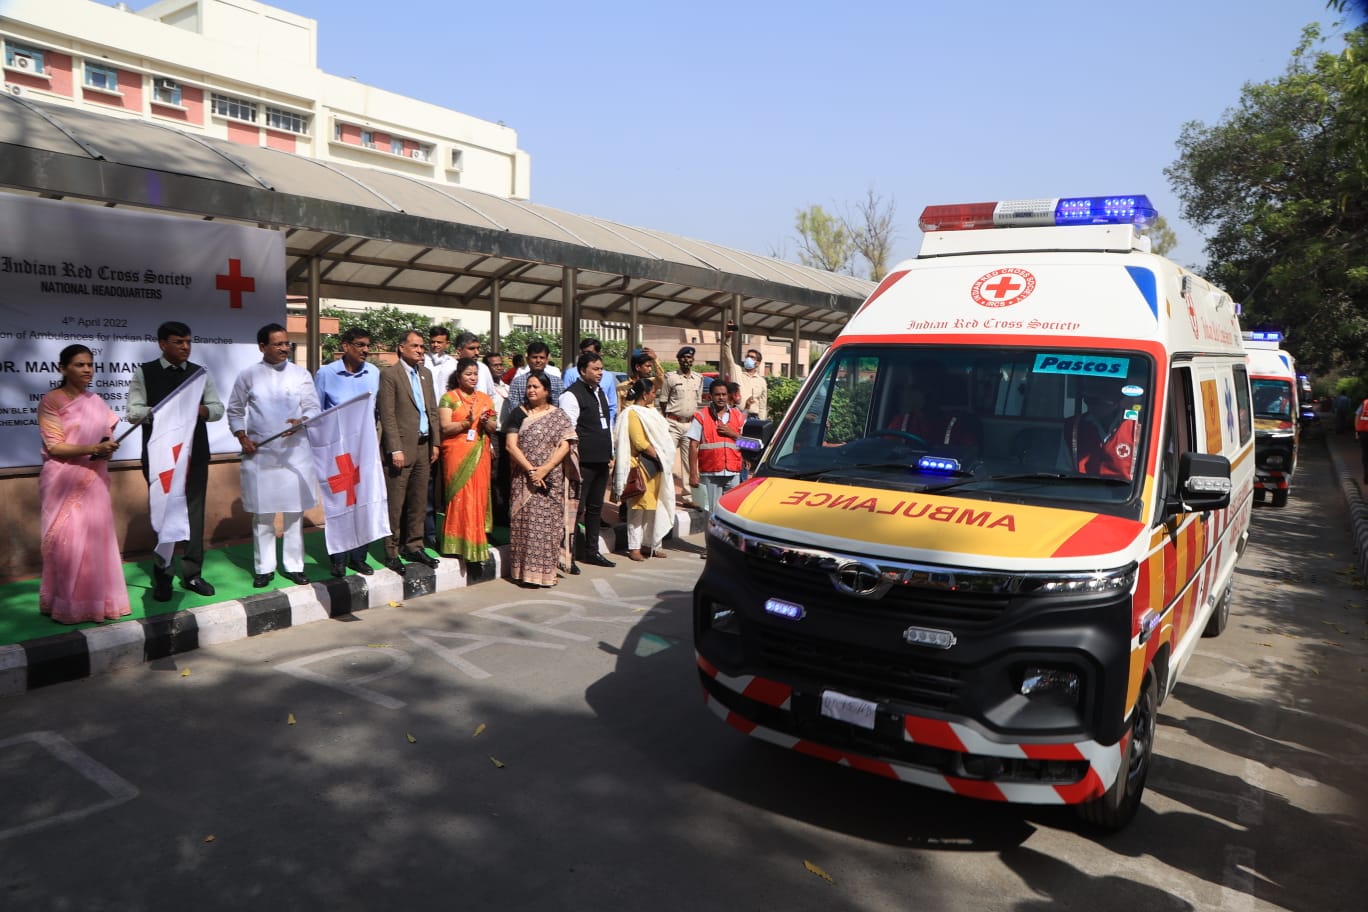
468	420
82	572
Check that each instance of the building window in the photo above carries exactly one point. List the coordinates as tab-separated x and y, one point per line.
26	59
233	108
457	159
166	91
396	147
101	77
368	139
288	121
337	131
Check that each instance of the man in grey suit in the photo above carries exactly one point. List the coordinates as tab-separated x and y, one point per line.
409	436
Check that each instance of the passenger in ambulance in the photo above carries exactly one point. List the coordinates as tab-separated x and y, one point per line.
921	410
1102	440
1271	402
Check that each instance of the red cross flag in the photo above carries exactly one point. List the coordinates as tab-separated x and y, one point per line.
346	455
168	460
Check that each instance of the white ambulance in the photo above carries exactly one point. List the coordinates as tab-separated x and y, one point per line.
1274	387
989	532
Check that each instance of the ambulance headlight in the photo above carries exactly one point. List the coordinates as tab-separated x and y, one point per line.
1092	583
1040	680
725	535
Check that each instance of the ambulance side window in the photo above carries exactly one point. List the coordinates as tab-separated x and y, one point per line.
1180	431
1242	403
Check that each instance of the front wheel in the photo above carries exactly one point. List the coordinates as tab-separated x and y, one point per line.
1280	498
1220	616
1119	805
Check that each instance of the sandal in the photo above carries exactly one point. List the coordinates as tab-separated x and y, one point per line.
635	555
658	552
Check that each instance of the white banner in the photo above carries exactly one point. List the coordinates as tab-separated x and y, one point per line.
168	462
107	278
346	455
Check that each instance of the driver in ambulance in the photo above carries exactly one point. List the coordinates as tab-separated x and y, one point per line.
1102	440
922	414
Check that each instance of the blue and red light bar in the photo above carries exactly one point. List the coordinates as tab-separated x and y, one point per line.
1034	213
1262	335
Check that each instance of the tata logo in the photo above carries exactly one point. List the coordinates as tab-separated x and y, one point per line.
858	578
928	636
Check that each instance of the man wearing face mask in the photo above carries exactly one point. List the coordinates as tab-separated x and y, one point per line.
714	458
754	389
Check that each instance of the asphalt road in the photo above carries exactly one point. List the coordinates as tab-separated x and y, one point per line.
496	748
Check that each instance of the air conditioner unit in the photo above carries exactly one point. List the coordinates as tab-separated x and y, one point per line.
15	90
23	62
415	153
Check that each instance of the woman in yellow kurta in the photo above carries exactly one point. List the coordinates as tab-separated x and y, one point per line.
642	432
468	419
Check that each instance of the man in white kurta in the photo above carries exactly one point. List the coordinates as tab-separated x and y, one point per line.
277	476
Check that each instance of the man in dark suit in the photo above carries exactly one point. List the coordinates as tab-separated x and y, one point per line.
152	382
409	437
586	404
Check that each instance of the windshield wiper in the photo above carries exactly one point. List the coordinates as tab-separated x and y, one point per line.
1032	476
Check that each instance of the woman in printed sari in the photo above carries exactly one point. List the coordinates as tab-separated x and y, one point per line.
539	439
468	419
643	433
82	572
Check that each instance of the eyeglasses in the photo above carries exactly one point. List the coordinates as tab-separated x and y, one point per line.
358	344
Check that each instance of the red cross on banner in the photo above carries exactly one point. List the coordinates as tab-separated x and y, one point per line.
165	477
235	283
347	478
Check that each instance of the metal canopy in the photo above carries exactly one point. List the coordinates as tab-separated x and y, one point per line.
382	237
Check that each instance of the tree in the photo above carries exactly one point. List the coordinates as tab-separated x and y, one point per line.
1162	238
871	232
386	324
824	242
1279	186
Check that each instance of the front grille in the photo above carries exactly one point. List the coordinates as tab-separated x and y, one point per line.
958	610
866	673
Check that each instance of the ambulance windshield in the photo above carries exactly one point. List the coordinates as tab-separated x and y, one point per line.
1019	423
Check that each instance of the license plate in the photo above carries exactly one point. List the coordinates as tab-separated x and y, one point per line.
857	712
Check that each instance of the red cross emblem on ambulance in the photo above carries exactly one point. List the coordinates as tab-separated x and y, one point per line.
1003	287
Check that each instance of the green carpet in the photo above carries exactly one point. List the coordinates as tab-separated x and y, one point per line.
229	569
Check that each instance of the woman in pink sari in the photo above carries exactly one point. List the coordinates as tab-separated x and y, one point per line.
82	572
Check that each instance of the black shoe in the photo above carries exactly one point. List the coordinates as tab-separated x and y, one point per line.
361	567
421	557
261	580
295	577
597	560
161	585
395	564
198	585
338	569
574	570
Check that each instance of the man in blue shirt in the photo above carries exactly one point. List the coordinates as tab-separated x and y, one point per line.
336	382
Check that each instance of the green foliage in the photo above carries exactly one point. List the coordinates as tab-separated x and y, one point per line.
782	391
849	411
1279	185
1162	238
386	325
824	240
515	342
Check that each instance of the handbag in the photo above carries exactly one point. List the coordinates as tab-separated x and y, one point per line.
635	485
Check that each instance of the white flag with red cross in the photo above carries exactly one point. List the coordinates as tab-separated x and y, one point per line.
168	462
346	455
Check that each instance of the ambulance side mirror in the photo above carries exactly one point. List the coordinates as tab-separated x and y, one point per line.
1203	484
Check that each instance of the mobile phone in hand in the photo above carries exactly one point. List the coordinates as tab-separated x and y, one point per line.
104	439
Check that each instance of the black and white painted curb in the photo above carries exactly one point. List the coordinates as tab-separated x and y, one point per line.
1358	511
82	653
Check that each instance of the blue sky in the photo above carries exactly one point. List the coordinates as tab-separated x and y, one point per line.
717	120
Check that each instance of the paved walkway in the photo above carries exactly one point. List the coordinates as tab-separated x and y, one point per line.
96	649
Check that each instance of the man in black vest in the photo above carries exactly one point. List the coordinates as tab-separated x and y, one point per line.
587	405
152	382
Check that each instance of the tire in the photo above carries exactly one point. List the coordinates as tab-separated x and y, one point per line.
1114	810
1221	616
1280	498
1258	495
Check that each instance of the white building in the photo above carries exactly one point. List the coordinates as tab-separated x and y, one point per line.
245	72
